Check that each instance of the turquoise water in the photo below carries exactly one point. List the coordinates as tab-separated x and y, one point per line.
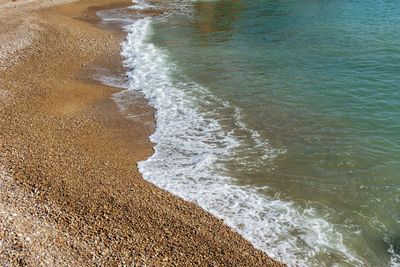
294	103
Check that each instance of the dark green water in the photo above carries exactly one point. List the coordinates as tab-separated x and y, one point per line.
309	92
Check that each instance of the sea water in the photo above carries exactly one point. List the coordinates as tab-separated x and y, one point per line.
281	117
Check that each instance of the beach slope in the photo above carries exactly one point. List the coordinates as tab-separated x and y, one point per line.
70	192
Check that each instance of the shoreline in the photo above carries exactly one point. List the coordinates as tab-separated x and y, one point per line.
68	160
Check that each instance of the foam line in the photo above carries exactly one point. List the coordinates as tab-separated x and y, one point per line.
191	152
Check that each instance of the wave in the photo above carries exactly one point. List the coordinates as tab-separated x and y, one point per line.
193	148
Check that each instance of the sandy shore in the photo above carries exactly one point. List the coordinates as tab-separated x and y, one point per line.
70	193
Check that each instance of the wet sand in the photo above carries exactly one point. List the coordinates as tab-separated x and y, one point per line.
70	191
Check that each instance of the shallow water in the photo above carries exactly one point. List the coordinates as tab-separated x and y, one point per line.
282	117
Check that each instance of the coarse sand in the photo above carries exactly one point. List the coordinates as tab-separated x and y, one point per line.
70	192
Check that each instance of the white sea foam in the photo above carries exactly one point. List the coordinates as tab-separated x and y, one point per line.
395	258
141	5
191	152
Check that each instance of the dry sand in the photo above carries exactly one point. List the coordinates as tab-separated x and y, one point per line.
70	193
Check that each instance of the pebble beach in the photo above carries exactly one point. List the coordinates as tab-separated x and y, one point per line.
70	191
